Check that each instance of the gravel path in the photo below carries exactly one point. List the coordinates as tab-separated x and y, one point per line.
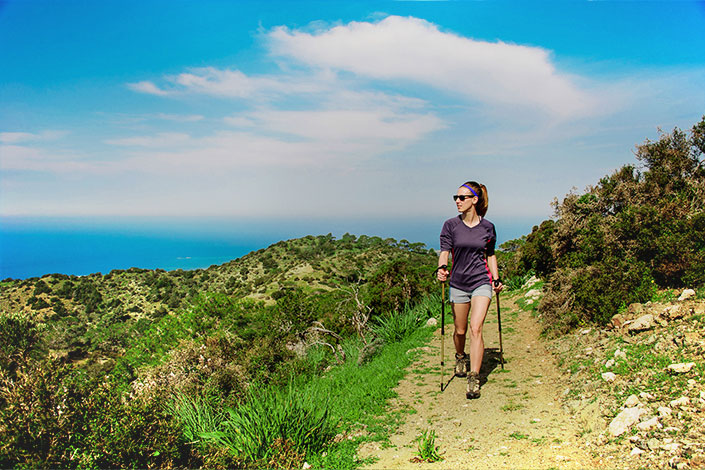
517	423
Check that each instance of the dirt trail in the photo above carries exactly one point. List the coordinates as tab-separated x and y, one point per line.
518	422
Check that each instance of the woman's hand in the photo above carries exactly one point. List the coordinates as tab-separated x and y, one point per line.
497	286
442	274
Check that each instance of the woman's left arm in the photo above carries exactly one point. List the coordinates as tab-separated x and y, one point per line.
494	270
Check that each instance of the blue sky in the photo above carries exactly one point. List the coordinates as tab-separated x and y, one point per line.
332	109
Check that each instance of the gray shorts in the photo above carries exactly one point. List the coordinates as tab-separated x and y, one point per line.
458	296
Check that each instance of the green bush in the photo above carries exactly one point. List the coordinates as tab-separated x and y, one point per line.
636	230
19	335
399	282
54	417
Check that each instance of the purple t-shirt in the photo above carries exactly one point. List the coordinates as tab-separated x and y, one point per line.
470	248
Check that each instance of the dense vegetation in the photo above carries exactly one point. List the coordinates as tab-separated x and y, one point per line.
635	231
221	367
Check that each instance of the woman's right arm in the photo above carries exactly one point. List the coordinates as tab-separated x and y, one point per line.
442	274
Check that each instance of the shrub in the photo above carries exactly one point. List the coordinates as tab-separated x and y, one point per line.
637	229
19	335
399	282
54	417
41	288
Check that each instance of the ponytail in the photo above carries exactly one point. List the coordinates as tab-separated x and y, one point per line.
479	190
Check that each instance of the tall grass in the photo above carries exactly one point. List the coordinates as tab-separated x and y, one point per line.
299	421
197	415
303	418
397	326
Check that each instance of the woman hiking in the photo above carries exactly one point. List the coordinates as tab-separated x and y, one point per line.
470	238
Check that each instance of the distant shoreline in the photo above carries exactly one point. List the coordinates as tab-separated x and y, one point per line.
33	247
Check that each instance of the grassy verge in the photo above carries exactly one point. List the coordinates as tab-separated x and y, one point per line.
320	419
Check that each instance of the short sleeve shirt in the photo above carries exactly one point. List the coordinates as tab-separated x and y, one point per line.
470	247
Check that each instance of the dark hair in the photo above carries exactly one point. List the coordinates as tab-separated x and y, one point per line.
480	191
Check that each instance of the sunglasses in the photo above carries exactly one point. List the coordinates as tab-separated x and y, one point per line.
462	197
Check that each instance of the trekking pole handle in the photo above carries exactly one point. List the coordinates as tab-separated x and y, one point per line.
435	272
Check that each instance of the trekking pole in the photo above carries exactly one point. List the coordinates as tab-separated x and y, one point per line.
499	325
443	329
443	324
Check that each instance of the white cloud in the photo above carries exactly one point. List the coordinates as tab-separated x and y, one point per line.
22	137
231	83
147	87
413	49
162	139
24	158
15	137
350	125
179	117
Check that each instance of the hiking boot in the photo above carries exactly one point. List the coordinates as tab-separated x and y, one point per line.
462	364
473	386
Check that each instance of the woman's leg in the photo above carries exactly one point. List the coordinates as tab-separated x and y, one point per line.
460	319
478	311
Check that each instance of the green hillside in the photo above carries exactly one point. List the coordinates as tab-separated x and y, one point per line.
105	370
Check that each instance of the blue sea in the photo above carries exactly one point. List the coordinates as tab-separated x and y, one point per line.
32	247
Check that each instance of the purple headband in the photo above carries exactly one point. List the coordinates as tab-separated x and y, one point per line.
471	190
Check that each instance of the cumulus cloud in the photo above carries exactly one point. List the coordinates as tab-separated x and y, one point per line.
400	50
413	49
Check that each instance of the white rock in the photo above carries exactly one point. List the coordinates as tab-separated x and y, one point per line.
532	280
702	394
681	367
530	301
609	364
619	354
674	311
664	411
609	376
306	466
672	447
585	332
646	396
636	451
533	294
682	401
431	322
625	420
632	401
692	383
686	294
649	424
643	323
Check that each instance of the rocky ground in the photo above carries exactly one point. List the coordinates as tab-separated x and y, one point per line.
638	385
628	396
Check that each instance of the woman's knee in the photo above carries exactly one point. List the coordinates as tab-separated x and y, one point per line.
476	331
